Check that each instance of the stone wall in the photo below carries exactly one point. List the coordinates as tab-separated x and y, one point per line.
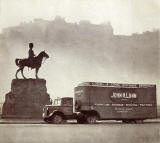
26	99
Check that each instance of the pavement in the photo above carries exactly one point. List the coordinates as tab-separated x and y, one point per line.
21	121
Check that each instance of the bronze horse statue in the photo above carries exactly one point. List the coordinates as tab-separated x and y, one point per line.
36	63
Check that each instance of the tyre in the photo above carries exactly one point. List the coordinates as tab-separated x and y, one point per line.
81	120
129	121
57	119
46	120
124	121
91	119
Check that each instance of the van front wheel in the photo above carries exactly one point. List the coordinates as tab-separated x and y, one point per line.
57	119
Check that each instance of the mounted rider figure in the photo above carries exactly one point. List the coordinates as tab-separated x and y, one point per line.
33	62
31	55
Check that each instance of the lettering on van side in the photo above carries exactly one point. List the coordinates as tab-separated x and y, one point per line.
123	95
125	105
78	91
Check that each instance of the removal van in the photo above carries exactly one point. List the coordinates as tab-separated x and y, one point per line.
95	101
112	101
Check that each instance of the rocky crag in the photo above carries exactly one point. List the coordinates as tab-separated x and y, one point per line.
26	99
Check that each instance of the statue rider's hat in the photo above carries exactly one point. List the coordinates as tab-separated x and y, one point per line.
30	45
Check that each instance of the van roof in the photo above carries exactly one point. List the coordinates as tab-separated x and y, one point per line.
101	84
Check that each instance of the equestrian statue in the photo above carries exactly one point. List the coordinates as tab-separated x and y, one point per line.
33	62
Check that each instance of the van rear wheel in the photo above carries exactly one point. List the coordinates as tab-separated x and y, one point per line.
129	121
81	120
91	119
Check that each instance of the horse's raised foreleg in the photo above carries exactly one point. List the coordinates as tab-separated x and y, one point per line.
17	72
22	73
36	73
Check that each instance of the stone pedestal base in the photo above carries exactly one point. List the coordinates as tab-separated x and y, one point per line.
26	99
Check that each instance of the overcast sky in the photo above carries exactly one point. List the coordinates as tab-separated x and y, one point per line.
126	16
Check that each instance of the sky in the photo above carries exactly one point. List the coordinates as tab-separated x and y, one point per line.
126	16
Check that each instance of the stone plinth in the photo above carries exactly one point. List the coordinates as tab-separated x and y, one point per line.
26	99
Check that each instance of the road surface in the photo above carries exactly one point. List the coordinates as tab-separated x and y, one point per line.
109	132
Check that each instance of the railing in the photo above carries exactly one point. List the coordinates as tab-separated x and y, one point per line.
158	111
1	104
